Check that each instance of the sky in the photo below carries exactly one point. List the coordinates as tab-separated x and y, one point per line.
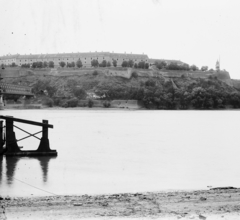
194	31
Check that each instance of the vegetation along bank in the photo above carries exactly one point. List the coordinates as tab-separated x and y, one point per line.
156	88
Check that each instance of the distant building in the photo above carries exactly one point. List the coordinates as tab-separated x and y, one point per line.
86	58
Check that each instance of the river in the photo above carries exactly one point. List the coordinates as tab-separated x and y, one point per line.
117	151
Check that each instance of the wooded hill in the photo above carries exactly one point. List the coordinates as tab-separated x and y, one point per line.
156	92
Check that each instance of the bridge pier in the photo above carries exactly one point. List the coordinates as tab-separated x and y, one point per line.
1	102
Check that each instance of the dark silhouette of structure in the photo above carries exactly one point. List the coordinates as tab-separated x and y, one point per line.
10	142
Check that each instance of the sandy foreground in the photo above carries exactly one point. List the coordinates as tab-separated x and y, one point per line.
205	204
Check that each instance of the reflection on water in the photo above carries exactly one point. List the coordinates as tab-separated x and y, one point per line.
11	164
1	164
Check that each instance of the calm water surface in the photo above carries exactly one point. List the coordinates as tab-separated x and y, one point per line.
114	151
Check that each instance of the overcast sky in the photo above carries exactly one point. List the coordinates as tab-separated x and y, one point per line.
193	31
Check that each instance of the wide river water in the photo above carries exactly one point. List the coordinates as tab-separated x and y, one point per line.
117	151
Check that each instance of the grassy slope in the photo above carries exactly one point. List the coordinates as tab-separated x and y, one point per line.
64	84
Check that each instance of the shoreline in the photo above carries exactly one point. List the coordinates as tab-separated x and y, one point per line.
115	108
198	204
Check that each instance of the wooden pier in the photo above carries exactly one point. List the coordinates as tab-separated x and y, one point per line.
9	143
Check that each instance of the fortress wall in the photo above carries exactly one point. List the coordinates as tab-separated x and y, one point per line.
199	74
223	75
180	73
121	73
10	72
171	73
146	73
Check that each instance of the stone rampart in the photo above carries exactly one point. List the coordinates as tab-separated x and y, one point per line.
10	72
127	73
223	75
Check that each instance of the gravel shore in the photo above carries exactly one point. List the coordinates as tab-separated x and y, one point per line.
205	204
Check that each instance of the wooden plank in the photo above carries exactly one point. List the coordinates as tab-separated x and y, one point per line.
26	121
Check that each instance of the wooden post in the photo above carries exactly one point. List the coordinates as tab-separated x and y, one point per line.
45	129
1	137
44	143
11	142
1	102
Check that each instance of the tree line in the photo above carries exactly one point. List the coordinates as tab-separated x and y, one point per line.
175	66
161	65
157	94
154	93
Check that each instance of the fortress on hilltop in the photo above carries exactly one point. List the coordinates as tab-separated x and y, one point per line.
86	58
119	58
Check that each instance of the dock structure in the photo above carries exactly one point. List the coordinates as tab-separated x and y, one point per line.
9	143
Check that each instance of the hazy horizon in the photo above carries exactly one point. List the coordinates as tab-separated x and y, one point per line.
196	32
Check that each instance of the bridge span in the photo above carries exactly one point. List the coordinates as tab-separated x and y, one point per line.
7	89
12	89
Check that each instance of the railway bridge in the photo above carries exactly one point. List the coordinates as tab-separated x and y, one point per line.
12	89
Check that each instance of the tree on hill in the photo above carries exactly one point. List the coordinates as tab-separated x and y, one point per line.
173	66
13	65
72	64
146	66
204	68
130	63
114	62
124	63
45	64
79	93
103	63
194	67
94	63
25	65
51	64
141	64
39	64
135	65
79	63
108	64
161	64
185	66
34	64
62	64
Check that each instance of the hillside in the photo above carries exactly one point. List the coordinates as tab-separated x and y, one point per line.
154	89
